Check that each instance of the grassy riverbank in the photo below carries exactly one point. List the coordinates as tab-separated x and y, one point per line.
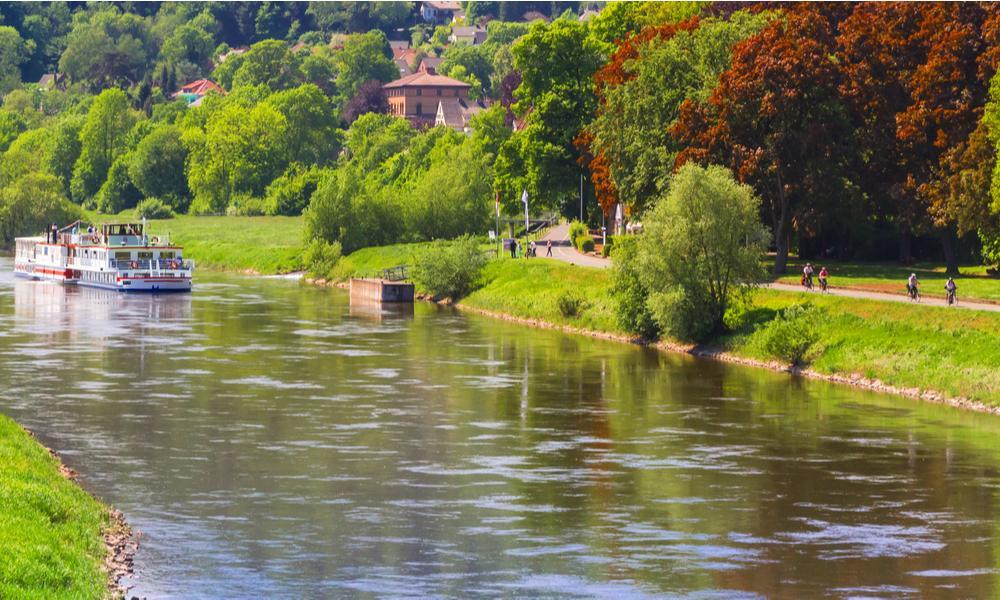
50	529
951	351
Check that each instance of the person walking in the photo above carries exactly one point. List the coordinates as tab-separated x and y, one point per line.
548	248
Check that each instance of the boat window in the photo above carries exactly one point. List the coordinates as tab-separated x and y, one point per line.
167	254
145	255
123	255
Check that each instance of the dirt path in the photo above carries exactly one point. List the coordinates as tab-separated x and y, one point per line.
562	250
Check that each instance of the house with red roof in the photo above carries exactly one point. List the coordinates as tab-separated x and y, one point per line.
427	99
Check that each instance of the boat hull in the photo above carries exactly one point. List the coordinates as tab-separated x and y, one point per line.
120	284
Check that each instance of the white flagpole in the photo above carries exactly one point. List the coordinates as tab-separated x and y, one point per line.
524	198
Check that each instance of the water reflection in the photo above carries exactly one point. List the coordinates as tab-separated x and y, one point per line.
271	440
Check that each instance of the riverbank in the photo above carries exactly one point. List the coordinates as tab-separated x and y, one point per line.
58	540
931	353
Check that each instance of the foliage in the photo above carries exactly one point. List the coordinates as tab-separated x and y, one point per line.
793	333
570	304
370	98
364	57
290	194
153	208
629	291
585	243
450	269
321	258
14	52
117	192
103	139
700	251
11	125
576	231
30	204
268	63
313	136
156	167
107	48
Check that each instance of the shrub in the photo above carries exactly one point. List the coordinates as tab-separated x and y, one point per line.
606	249
793	333
570	305
585	243
290	193
576	229
245	205
450	269
629	292
153	208
322	258
692	283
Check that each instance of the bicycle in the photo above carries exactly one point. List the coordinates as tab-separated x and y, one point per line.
823	285
914	292
952	299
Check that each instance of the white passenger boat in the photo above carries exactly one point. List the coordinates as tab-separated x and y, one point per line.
114	256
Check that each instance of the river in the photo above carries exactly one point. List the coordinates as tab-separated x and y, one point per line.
270	441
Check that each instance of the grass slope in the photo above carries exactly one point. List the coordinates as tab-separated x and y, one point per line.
50	529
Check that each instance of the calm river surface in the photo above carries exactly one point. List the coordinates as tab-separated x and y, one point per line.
270	441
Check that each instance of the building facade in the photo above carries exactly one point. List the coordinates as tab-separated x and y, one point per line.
421	96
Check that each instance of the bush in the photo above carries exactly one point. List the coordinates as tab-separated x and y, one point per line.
692	284
793	333
629	292
450	269
290	193
245	205
576	230
606	249
322	258
153	208
570	305
585	243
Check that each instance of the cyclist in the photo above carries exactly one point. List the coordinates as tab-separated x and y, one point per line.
950	288
807	276
823	274
913	287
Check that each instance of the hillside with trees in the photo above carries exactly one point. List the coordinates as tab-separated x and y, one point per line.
869	131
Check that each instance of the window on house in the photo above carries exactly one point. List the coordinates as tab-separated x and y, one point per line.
420	108
420	91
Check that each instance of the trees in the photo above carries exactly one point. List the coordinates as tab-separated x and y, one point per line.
701	250
156	167
103	138
365	56
641	90
555	98
32	202
777	119
107	48
314	138
14	51
370	98
268	63
190	45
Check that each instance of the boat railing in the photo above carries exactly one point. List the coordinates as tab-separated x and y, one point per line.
147	264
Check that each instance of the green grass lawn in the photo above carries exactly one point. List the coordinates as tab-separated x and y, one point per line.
51	545
973	283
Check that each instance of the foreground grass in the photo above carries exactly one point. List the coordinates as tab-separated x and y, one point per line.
973	284
908	345
50	529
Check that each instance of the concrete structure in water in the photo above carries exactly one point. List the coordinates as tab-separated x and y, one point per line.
381	290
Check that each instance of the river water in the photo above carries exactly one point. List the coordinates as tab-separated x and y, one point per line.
270	441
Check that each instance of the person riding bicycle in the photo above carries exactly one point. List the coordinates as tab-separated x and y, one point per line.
823	274
950	288
807	276
912	285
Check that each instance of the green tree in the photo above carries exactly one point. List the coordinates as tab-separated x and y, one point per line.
103	138
365	56
701	250
25	155
117	192
239	152
64	148
474	60
14	52
32	202
290	194
12	124
269	63
156	167
192	44
107	48
314	139
556	98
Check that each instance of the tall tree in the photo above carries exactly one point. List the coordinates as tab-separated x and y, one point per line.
108	48
778	121
365	56
14	51
103	138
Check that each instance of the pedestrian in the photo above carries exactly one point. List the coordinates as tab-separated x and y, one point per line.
548	248
512	246
531	249
518	254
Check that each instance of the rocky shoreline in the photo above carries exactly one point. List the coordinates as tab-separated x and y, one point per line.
854	379
120	540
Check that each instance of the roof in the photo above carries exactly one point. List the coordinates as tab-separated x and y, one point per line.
50	79
456	114
404	66
423	78
588	14
443	5
429	63
201	87
533	15
475	34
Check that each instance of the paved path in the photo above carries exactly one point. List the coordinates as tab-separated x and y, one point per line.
562	250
